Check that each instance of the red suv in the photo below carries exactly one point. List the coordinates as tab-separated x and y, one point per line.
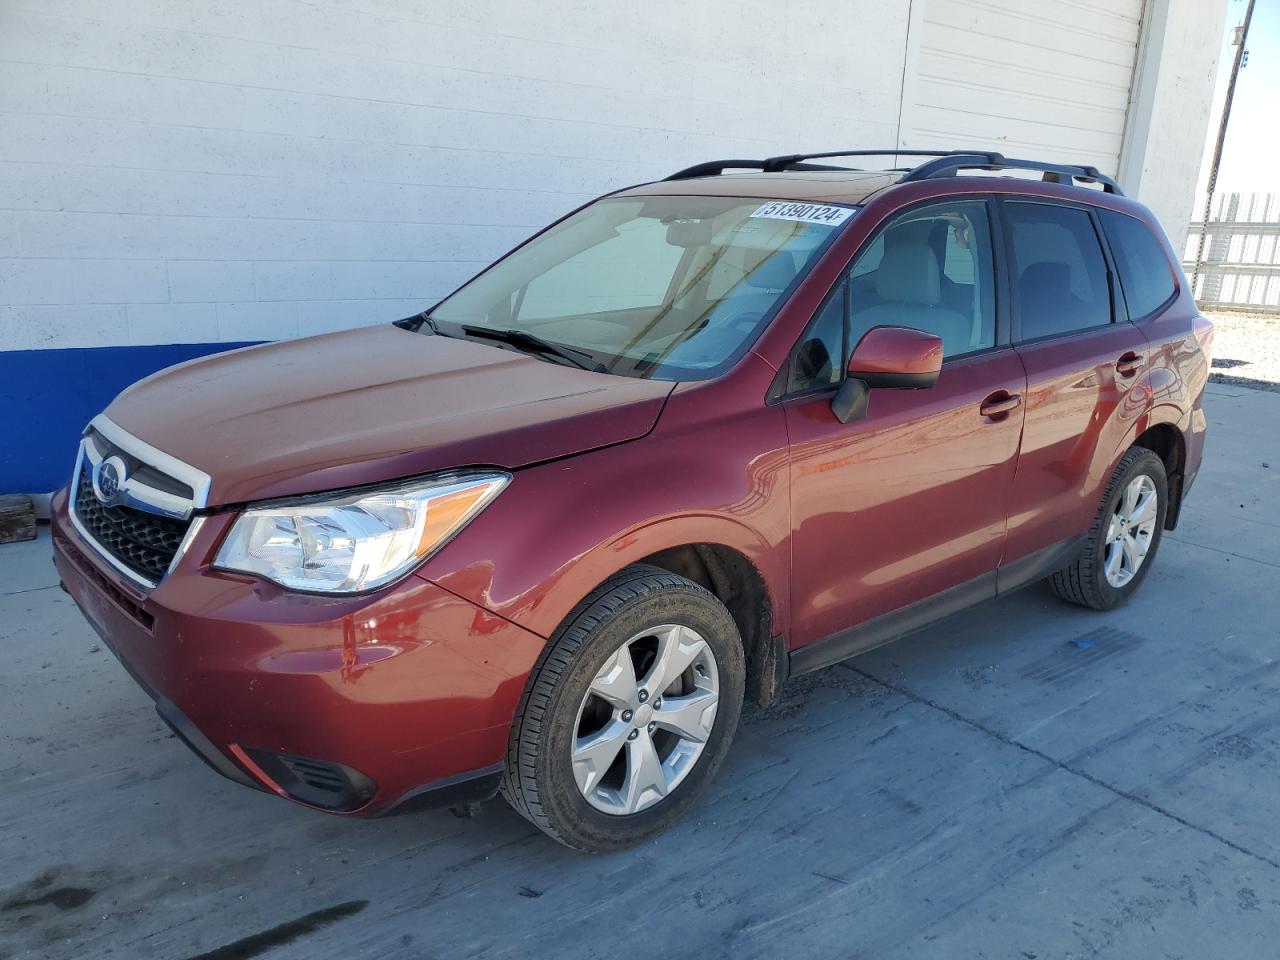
696	437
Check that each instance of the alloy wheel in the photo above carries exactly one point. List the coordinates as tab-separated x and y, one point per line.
645	719
1130	532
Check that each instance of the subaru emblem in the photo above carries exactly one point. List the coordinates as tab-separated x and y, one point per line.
108	477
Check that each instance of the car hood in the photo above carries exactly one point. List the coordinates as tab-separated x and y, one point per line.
375	404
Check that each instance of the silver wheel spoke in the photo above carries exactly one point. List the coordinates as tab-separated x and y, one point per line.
593	755
616	681
645	782
690	717
1115	554
1144	510
1131	530
1130	498
678	647
1135	552
620	715
1113	529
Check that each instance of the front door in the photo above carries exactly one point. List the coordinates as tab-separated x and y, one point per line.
911	499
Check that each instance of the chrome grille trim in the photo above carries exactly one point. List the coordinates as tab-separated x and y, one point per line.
137	495
141	496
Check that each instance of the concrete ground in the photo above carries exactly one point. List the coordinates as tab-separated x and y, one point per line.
1026	781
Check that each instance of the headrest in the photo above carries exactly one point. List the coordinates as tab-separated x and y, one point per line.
1046	278
909	273
776	273
913	231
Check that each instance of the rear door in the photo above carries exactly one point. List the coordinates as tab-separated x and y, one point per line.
909	500
1083	360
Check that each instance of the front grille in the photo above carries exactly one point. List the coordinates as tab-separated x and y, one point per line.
144	542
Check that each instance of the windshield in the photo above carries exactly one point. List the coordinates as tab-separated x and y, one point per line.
669	288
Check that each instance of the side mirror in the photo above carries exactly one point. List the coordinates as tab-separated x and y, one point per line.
887	357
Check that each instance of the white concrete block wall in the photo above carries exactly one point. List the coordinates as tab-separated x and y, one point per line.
1171	108
220	171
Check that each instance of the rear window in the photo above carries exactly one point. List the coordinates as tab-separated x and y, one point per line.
1145	275
1060	270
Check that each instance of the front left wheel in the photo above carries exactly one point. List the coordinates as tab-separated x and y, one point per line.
630	712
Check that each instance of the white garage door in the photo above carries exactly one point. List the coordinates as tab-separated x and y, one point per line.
1047	79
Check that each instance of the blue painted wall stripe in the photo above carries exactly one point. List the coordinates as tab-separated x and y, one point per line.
47	397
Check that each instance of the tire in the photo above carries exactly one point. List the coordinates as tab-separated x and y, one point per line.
543	773
1086	581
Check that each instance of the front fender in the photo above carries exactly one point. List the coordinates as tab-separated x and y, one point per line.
575	580
560	529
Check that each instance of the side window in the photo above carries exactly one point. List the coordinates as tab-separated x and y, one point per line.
869	260
819	357
1059	269
1145	275
930	268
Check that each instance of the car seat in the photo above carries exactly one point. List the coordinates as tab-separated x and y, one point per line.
908	289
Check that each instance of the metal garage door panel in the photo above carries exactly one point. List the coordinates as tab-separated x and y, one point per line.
1044	78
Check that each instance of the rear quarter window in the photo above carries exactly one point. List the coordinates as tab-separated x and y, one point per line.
1145	275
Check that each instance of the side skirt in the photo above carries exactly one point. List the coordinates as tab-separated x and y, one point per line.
1036	566
924	613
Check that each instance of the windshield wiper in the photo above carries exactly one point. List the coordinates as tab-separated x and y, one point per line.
523	339
419	320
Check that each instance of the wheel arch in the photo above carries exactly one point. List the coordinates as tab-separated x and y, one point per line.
736	582
727	558
1165	439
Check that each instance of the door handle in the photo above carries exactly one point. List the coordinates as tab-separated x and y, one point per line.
999	404
1129	364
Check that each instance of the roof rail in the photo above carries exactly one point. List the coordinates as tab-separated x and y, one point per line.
949	165
942	163
713	168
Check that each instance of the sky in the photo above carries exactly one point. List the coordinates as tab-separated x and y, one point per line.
1251	156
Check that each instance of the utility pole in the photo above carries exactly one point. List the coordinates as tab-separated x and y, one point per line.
1241	38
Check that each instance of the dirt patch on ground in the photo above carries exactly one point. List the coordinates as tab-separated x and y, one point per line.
1246	350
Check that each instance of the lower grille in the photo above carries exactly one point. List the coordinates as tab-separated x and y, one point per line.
317	774
321	783
144	542
90	572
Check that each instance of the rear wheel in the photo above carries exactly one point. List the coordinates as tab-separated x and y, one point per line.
1122	542
629	714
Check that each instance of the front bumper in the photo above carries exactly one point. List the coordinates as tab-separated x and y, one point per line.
351	704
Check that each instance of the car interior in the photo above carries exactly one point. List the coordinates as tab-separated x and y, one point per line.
924	273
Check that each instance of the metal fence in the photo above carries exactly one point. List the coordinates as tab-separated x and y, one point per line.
1241	268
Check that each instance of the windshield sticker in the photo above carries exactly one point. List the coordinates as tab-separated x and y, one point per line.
804	212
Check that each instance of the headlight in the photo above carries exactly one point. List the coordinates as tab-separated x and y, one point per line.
357	542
